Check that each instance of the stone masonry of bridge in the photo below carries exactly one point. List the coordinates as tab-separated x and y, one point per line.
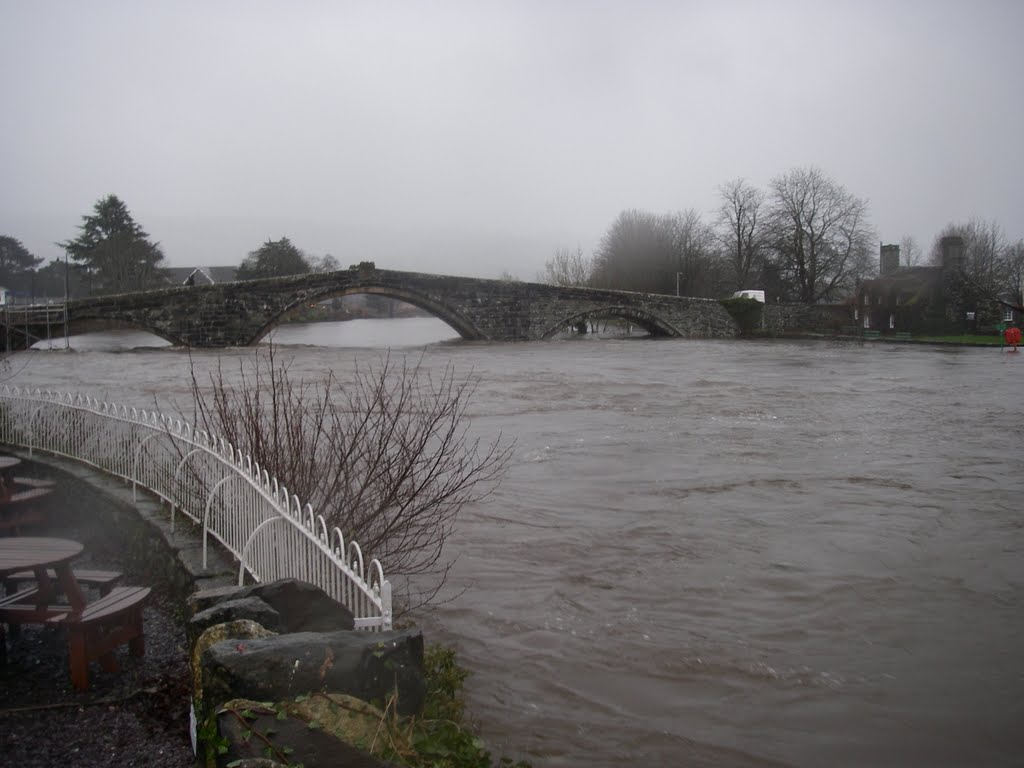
241	313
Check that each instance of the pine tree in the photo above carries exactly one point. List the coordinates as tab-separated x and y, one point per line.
16	262
114	252
275	258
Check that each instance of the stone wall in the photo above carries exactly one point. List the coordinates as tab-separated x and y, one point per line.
782	319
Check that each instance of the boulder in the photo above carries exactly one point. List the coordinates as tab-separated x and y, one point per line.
232	631
289	733
205	598
372	666
303	607
250	608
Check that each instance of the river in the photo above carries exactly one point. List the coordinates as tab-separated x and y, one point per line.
709	553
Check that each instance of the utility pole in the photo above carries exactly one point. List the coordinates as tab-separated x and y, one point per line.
67	344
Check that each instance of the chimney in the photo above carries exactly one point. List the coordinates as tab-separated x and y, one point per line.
889	261
952	253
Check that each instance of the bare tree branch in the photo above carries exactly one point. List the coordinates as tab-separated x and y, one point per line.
387	457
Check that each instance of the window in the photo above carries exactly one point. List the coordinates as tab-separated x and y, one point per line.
1007	315
867	321
892	322
856	314
866	300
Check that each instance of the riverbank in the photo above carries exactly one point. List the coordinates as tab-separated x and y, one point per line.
139	715
966	340
136	717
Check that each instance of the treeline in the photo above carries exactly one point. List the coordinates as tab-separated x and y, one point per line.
804	239
114	254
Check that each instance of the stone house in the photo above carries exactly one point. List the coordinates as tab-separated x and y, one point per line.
936	299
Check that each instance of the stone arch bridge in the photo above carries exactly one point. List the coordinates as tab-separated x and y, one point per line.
241	313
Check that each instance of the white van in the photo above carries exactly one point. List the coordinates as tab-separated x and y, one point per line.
757	295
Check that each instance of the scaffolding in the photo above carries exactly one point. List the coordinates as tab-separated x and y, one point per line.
25	325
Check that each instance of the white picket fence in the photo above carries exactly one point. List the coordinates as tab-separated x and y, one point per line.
270	532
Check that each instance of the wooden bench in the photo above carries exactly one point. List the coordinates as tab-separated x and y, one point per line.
18	511
872	334
901	335
102	580
34	482
99	628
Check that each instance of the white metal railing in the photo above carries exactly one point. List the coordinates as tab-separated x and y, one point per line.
271	533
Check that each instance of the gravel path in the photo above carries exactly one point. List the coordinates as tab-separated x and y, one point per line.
138	716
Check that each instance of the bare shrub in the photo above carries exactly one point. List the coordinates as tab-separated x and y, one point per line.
387	458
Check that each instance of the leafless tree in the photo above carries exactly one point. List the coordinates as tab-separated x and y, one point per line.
698	266
741	231
910	251
325	263
821	238
658	253
1015	271
635	253
387	457
986	254
567	268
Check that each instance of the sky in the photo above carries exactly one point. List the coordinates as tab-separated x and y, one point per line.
477	137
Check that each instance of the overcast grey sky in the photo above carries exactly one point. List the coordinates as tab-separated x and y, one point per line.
477	137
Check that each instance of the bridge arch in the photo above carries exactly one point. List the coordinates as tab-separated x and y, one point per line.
87	324
653	324
458	321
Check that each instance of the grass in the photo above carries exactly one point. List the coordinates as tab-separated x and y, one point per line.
974	340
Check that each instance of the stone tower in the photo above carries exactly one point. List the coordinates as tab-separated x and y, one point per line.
889	260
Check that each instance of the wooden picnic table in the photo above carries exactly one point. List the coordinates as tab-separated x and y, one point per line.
95	629
40	555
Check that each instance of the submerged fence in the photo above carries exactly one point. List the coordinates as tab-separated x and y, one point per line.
270	532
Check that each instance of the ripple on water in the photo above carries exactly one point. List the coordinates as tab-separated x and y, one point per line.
775	553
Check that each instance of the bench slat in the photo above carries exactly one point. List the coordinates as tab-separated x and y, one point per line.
30	495
18	597
34	482
103	580
84	576
117	602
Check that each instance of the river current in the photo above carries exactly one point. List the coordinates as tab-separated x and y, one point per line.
708	553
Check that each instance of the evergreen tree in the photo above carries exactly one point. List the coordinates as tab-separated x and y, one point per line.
16	263
114	252
275	258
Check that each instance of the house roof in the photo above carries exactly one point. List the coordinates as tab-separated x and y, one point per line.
202	275
905	278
